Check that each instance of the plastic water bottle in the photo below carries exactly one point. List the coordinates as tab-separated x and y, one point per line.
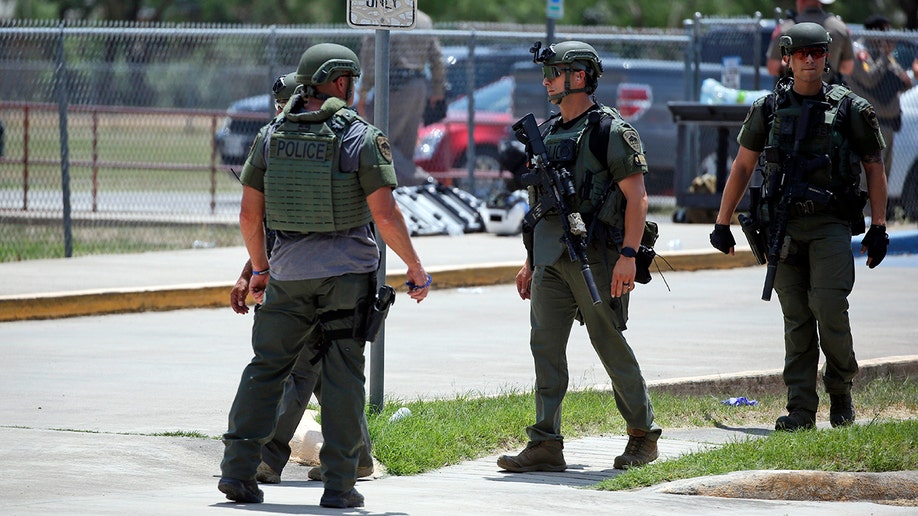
400	414
713	92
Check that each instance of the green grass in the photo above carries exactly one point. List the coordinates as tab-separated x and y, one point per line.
877	446
40	241
444	432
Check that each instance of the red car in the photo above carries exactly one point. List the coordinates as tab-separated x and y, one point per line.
442	146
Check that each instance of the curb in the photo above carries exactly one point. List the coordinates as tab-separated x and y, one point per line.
56	305
771	381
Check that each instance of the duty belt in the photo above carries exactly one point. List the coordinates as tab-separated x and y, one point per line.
405	73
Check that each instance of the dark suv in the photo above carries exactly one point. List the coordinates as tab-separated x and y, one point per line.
243	120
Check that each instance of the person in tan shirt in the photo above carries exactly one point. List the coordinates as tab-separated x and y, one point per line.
411	59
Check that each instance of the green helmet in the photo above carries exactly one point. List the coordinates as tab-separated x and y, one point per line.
581	55
326	62
803	35
284	87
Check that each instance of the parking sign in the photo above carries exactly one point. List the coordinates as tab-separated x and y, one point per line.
382	14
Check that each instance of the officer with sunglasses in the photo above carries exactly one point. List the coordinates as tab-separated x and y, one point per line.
812	181
605	158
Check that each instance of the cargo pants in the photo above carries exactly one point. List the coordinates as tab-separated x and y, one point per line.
813	289
558	292
283	325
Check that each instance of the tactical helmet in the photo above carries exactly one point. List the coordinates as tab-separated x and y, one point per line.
803	35
581	55
326	62
284	87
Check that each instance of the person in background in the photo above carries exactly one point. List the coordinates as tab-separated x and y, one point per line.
815	274
411	58
318	288
841	53
303	380
879	78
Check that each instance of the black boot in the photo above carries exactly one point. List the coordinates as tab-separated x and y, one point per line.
241	491
798	419
841	412
341	499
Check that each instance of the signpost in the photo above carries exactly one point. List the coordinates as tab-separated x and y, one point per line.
382	15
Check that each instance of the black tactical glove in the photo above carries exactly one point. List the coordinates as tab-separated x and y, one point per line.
876	241
722	238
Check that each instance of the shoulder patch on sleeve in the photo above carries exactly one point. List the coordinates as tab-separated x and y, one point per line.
633	140
382	145
870	116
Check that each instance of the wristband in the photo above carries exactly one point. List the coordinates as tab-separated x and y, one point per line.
259	273
412	286
628	252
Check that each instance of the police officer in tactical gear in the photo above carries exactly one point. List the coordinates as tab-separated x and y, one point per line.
320	177
303	379
815	273
606	159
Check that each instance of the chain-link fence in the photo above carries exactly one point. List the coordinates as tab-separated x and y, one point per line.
123	138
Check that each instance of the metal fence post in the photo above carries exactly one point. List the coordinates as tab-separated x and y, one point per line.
470	157
61	86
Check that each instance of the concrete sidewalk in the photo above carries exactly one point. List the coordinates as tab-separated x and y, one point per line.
96	411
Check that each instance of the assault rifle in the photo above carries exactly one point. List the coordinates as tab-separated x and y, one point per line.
557	190
790	188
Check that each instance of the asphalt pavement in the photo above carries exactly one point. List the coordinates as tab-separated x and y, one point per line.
98	407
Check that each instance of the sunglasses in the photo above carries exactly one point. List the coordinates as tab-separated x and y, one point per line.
817	53
551	72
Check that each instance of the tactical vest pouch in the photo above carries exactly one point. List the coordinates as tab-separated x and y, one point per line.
642	261
651	233
611	211
646	254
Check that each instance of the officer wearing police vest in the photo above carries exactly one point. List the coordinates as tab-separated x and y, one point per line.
320	177
816	271
303	379
605	156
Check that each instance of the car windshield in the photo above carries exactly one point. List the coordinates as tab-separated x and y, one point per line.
494	97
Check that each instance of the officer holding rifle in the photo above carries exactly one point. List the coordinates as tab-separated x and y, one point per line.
816	138
583	234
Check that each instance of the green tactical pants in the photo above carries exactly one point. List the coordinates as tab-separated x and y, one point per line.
558	292
284	324
813	289
303	381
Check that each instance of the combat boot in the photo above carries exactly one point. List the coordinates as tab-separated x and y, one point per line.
341	499
841	412
241	491
537	456
639	451
315	473
798	419
266	475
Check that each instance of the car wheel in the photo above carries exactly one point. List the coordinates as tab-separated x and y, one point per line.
486	159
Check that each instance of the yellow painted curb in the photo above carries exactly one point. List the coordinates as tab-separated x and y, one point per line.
211	295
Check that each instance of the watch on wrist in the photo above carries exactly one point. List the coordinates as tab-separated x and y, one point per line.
628	252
